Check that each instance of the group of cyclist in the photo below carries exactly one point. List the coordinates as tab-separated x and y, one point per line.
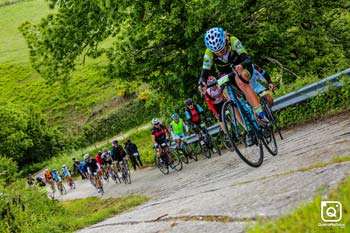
224	54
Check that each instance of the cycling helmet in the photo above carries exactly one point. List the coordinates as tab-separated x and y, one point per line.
215	39
46	170
175	116
115	142
105	149
64	165
99	153
188	101
211	79
155	121
86	156
54	170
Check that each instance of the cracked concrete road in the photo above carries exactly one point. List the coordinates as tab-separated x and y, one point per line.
225	187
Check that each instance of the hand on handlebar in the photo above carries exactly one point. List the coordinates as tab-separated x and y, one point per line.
272	87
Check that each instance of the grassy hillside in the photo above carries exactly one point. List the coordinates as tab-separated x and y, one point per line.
87	96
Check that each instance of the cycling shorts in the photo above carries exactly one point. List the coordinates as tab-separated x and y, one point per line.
177	136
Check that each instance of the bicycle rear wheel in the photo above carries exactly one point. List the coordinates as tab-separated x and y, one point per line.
253	155
269	140
191	152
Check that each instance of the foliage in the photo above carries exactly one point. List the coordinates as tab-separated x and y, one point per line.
334	100
25	135
27	210
160	42
8	170
308	216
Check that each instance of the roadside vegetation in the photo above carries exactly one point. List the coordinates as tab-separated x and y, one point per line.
307	217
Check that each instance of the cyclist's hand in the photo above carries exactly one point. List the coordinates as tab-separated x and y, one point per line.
272	87
239	69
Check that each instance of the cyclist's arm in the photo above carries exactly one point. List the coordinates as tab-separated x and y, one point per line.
210	104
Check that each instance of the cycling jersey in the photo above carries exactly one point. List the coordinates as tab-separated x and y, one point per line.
106	157
160	133
56	176
177	128
118	153
215	100
65	172
48	175
99	159
235	55
92	166
193	115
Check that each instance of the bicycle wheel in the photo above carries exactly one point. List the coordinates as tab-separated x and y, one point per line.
253	155
183	156
176	159
63	190
115	176
162	166
223	141
270	116
190	151
212	144
269	140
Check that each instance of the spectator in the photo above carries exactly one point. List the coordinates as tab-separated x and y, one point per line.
77	167
133	153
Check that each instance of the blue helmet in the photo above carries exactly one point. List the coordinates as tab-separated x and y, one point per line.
215	39
175	116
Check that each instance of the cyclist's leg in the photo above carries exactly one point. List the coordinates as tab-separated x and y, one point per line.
269	99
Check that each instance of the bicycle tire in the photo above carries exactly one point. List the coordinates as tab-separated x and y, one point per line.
183	156
177	162
162	166
191	152
224	142
247	154
269	138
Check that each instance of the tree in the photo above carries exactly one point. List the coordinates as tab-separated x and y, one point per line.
161	41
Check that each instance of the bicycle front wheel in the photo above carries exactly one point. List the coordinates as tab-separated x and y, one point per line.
269	140
247	145
176	159
162	166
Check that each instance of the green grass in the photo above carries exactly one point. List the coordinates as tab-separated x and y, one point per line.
13	47
307	217
85	212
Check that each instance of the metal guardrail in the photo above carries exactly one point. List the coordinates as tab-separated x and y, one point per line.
292	98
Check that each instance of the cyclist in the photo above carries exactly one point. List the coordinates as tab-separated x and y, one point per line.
261	76
99	159
133	153
106	159
224	50
76	169
215	99
177	127
48	176
66	173
160	134
118	154
193	114
57	178
93	168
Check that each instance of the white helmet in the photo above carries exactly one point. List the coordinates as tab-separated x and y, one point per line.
215	39
86	156
64	165
155	121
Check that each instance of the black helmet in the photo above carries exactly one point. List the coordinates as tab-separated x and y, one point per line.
99	153
115	142
188	101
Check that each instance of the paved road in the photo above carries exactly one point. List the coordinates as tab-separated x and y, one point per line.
227	190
